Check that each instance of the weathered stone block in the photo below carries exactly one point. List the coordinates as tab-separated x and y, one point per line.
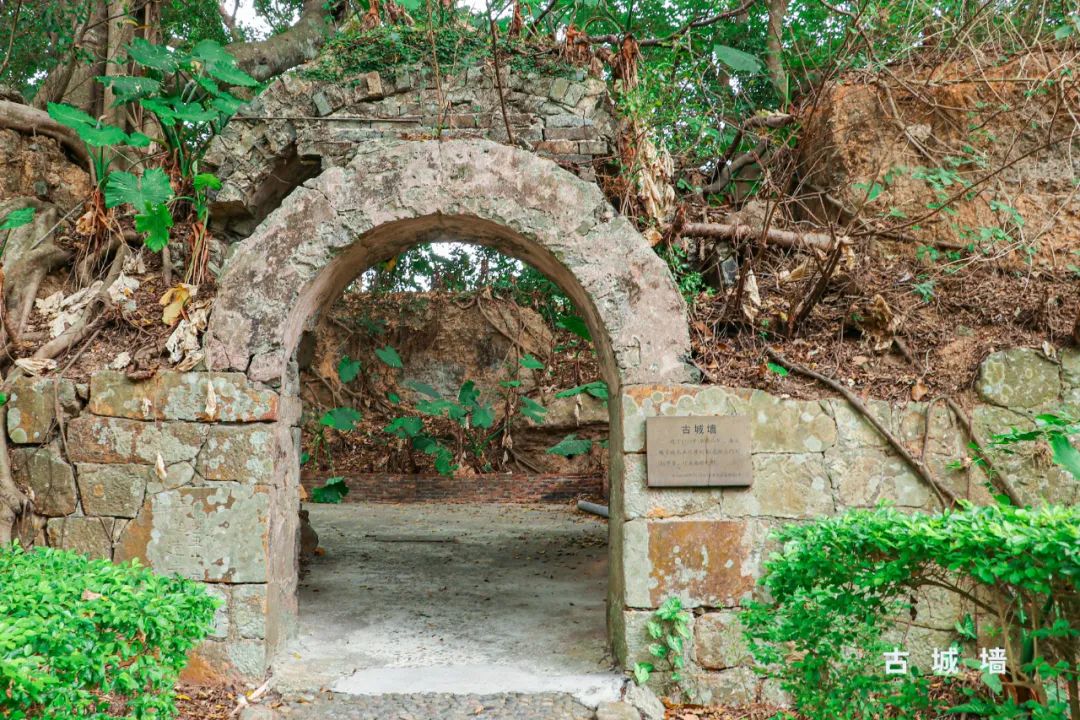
249	610
214	534
241	452
785	485
51	480
644	401
701	561
718	641
217	661
864	476
642	501
32	406
854	430
1020	377
1070	366
735	686
221	616
117	440
90	536
112	490
182	396
569	133
559	86
790	426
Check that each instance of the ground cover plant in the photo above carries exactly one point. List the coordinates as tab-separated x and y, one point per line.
83	638
838	585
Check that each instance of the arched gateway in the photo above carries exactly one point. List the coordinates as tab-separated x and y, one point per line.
397	193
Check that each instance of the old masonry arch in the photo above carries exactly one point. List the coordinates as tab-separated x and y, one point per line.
394	194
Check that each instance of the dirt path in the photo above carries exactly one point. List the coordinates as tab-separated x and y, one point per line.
479	599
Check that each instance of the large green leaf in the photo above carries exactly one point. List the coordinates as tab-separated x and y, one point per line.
70	116
143	193
468	394
570	446
531	363
737	60
1065	455
332	492
155	223
129	87
231	75
155	57
575	325
341	418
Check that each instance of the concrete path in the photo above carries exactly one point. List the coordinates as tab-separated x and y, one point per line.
440	601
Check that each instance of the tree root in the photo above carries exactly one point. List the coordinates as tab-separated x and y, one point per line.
947	498
783	238
32	121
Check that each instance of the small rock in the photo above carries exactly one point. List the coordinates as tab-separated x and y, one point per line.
617	711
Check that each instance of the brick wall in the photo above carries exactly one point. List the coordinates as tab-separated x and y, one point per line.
501	487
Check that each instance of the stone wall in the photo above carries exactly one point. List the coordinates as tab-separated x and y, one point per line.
195	473
811	458
300	126
167	471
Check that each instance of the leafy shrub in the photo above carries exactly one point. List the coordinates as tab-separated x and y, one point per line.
78	634
839	583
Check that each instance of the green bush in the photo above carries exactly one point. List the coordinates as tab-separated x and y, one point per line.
839	583
77	635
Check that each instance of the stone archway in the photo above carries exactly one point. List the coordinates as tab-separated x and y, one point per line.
394	194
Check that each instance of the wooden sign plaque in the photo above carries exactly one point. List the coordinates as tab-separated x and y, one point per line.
698	451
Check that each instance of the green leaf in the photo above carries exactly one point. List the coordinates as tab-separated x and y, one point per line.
597	388
143	193
424	389
155	57
642	671
210	52
155	223
138	140
3	398
389	356
737	60
1063	32
993	682
575	325
227	104
570	446
483	417
231	75
18	218
348	369
393	397
778	369
341	418
129	87
533	410
531	363
204	181
104	136
1065	454
332	492
405	427
468	394
70	116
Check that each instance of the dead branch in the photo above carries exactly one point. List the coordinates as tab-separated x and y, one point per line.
947	498
93	316
31	121
783	238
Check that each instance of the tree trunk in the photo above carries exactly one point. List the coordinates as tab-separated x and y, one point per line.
774	49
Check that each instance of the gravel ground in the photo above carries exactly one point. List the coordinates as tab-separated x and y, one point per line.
505	706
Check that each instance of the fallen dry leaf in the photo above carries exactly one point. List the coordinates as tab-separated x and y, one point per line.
918	391
174	300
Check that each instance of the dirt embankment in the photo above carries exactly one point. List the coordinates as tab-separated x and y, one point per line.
444	340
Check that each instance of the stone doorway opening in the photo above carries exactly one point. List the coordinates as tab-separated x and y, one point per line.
453	415
391	195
